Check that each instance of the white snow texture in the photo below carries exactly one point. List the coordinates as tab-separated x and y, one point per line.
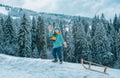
15	67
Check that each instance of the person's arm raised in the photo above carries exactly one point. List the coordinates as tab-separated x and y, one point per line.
50	28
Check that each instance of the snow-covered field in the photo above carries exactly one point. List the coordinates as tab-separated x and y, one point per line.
3	10
15	67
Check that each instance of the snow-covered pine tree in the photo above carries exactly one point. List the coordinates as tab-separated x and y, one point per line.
112	34
86	25
41	38
9	36
1	34
33	39
116	23
80	40
95	20
88	54
74	31
105	23
68	52
117	64
85	45
101	46
24	39
87	29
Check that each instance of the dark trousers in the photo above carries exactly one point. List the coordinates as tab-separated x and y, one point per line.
57	52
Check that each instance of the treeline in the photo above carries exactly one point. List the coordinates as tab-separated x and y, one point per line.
27	42
97	41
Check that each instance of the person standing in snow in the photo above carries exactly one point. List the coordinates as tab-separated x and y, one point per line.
58	40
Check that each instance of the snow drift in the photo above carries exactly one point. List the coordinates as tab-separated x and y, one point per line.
15	67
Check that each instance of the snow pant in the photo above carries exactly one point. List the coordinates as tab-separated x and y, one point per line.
57	52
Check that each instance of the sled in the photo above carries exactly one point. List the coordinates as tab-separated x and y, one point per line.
92	63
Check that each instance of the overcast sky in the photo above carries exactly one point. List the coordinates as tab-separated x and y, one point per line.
86	8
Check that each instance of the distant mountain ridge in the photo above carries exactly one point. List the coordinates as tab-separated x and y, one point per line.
17	12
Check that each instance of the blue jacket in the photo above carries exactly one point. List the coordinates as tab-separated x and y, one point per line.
59	41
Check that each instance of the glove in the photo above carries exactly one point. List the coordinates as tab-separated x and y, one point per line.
50	28
65	44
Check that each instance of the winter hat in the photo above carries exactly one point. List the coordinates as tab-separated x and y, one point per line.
57	29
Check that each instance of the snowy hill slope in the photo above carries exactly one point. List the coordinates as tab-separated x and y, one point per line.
15	67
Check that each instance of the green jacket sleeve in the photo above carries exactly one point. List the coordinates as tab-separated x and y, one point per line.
62	39
50	33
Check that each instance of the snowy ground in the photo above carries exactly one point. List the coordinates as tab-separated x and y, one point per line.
15	67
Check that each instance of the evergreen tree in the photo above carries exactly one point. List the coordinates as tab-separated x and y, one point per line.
101	46
105	23
112	34
95	21
41	37
84	44
74	31
24	39
34	43
9	37
68	52
86	25
1	34
88	53
80	40
117	64
116	23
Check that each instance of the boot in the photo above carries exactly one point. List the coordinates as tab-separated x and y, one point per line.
55	60
61	61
